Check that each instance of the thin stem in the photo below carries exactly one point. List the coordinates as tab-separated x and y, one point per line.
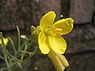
14	48
18	38
5	53
5	57
23	53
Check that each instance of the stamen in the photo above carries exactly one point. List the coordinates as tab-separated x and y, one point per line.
58	29
55	29
58	34
47	31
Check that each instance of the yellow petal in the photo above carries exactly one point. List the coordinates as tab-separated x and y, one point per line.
56	61
58	44
5	40
65	24
43	43
47	20
63	60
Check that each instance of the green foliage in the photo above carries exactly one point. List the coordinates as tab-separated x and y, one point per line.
16	52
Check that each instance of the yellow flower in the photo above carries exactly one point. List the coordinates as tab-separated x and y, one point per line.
5	40
50	35
59	61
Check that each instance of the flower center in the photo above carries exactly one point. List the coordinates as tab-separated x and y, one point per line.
53	31
48	31
57	31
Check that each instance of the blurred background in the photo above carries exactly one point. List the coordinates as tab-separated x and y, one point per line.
81	41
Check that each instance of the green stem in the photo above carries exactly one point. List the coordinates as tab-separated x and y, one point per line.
5	57
18	38
14	48
23	53
5	53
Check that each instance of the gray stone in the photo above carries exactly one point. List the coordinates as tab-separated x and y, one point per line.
41	7
82	38
81	10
